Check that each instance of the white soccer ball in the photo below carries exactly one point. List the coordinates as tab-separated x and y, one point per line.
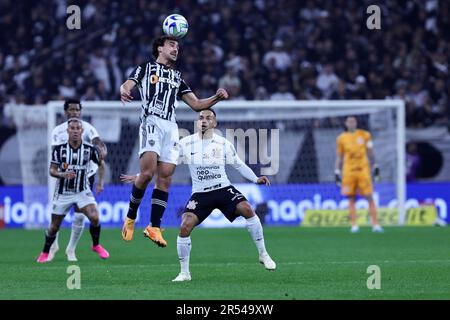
175	25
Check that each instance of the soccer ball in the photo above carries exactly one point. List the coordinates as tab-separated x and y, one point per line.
175	25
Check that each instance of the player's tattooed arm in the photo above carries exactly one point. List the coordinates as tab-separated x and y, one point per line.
101	174
55	173
201	104
101	146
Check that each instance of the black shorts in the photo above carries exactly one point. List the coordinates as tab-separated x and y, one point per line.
91	181
225	199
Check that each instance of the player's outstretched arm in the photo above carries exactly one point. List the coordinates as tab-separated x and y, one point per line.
127	179
263	180
125	90
201	104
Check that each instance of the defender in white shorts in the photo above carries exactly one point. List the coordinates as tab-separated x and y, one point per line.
159	85
70	164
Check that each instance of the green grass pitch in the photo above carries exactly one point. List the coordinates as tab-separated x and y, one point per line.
312	263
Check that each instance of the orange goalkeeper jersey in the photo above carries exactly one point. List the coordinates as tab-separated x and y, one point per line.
352	145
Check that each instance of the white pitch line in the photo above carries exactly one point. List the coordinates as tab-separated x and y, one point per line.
253	263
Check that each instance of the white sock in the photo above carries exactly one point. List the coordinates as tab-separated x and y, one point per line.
77	230
55	243
254	226
184	251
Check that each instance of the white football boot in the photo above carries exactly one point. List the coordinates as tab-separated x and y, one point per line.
183	276
267	261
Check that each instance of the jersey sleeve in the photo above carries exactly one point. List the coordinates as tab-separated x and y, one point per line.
95	155
339	146
368	139
181	153
55	156
138	74
54	141
90	131
184	88
233	159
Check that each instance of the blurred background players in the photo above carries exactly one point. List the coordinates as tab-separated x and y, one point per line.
72	109
70	164
354	149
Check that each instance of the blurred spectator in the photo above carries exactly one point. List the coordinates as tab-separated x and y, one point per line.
412	161
327	80
261	41
277	58
283	92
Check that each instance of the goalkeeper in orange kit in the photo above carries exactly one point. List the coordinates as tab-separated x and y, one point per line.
354	149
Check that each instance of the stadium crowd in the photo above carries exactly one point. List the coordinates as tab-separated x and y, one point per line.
260	49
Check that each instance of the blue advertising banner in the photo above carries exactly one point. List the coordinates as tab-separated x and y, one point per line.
286	204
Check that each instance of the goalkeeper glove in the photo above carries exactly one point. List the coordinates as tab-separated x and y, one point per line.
337	177
376	172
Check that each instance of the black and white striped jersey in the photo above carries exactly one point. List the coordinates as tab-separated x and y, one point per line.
77	160
159	87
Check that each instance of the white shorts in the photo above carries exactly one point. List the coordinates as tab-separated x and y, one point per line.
160	136
63	203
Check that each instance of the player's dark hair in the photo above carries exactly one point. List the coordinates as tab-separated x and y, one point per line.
71	101
159	42
212	110
74	120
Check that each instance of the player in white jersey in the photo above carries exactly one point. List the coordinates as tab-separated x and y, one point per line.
72	109
207	154
160	85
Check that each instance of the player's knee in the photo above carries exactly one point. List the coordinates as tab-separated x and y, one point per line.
163	183
78	219
246	211
146	176
186	228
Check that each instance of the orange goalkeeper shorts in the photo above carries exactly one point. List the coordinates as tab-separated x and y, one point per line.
356	182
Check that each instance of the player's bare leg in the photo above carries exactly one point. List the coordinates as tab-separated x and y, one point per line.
91	212
160	196
254	227
373	215
50	236
352	212
148	164
188	223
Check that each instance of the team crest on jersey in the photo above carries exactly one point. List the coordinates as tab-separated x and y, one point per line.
151	142
217	153
192	205
86	155
154	79
360	140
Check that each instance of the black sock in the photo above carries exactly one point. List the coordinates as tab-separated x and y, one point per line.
48	242
135	200
95	234
159	204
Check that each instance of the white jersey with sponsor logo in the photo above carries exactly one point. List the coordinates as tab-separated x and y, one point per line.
207	159
60	136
